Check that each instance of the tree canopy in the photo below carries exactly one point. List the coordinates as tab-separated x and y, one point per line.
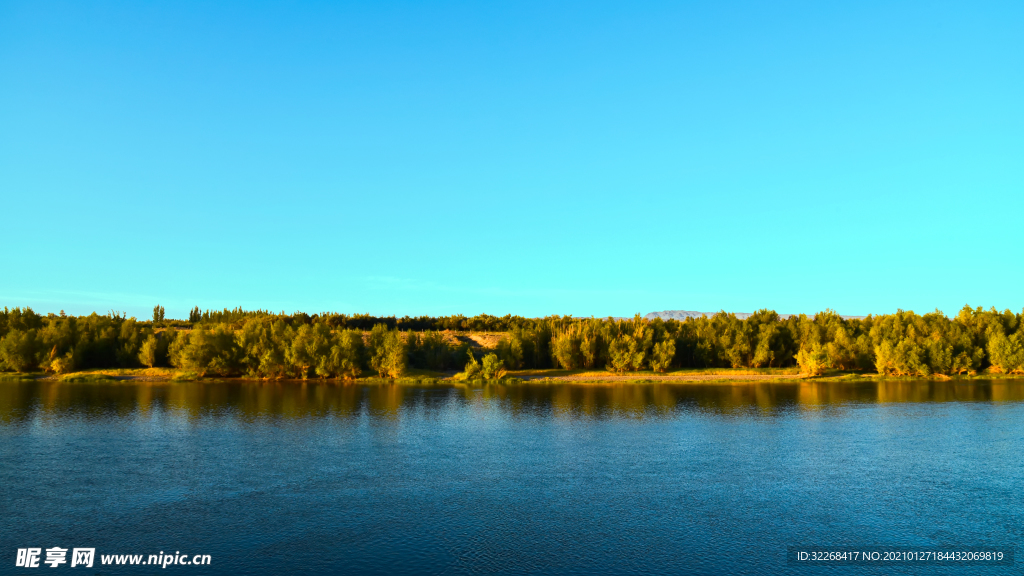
266	345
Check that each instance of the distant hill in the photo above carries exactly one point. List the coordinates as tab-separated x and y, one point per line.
684	314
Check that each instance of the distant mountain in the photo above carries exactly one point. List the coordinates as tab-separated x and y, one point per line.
684	314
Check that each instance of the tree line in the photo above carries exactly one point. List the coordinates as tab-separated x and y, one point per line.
237	316
266	345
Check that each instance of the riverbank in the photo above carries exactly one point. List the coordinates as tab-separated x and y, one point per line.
554	376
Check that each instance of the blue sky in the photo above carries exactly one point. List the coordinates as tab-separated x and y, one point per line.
520	157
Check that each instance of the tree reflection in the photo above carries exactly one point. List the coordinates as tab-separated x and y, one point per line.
20	401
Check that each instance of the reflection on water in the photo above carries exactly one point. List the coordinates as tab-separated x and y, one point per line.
21	400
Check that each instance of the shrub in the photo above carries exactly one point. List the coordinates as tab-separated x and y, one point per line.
493	367
63	364
473	369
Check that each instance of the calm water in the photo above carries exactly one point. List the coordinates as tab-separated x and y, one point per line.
652	479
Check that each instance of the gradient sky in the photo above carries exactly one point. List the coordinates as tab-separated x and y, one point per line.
530	158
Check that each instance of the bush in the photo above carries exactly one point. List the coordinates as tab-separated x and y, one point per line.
63	364
493	367
473	369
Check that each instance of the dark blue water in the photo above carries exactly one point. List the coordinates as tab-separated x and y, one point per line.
630	479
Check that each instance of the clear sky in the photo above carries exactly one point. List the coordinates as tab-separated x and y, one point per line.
531	158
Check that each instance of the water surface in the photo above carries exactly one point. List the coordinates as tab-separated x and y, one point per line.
531	479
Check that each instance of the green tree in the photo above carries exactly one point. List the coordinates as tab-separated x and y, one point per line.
206	351
148	351
939	353
493	367
735	341
663	354
565	347
628	350
1006	353
347	354
592	343
619	357
58	335
262	347
473	368
20	349
904	358
813	361
129	341
626	354
510	349
63	364
387	352
310	349
433	352
164	341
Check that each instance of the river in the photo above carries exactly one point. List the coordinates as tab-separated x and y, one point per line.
280	478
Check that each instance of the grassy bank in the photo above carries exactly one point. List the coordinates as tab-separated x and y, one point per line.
545	376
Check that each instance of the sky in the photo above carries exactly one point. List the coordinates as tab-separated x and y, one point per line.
533	158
